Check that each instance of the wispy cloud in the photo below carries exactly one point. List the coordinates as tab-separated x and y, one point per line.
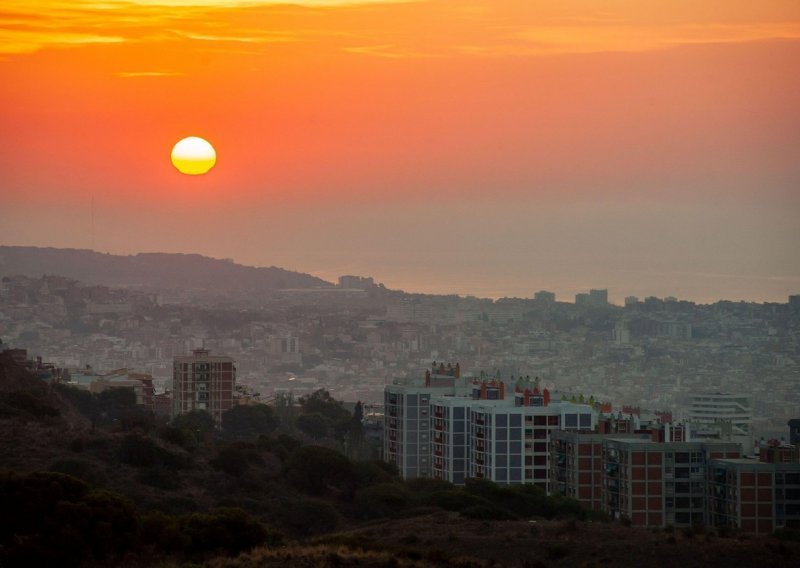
583	39
394	28
31	25
136	74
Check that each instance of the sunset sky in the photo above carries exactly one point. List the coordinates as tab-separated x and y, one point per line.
487	147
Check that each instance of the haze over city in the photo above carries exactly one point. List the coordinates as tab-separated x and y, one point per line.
489	148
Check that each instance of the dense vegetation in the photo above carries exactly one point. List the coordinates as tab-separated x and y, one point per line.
94	481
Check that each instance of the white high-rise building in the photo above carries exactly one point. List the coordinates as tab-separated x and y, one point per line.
730	414
407	427
449	428
708	408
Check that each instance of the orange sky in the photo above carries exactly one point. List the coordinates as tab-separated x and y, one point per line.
348	131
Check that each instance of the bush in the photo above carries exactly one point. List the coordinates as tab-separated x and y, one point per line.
80	469
160	477
314	425
227	530
234	459
308	516
178	437
25	404
249	421
382	500
372	472
57	520
140	451
488	513
454	500
317	471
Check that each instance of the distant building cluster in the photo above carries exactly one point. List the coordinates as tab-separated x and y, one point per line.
654	472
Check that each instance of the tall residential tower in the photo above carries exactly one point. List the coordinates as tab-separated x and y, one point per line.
203	382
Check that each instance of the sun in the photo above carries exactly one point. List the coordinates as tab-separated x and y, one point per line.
193	156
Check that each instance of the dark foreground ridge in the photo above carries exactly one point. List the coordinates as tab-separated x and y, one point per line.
90	480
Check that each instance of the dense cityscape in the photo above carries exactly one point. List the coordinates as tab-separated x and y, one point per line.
355	337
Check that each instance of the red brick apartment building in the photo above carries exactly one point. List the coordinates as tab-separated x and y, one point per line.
577	461
656	484
651	477
755	496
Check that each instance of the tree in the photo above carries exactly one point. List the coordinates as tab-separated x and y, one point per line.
313	424
198	423
317	471
322	402
249	421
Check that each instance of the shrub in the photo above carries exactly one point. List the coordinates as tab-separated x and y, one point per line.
249	421
80	469
24	403
308	516
229	530
160	477
234	459
454	500
488	512
382	500
140	451
317	470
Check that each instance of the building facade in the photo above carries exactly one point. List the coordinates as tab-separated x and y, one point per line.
654	484
451	428
203	382
407	426
754	496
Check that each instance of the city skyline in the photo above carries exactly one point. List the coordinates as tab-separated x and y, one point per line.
493	149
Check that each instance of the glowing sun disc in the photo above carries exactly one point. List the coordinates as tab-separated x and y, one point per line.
193	156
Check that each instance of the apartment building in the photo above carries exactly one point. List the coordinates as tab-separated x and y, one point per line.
450	428
510	437
576	458
407	431
655	484
451	438
203	382
755	496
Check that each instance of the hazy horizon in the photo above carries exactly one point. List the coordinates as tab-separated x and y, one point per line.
494	149
564	288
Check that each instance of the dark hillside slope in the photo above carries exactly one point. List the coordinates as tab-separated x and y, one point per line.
155	270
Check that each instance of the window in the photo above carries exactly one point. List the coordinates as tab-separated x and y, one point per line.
570	421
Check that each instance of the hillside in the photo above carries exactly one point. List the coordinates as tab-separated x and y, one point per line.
133	492
151	270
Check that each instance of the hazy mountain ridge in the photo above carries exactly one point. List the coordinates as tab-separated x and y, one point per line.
155	270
